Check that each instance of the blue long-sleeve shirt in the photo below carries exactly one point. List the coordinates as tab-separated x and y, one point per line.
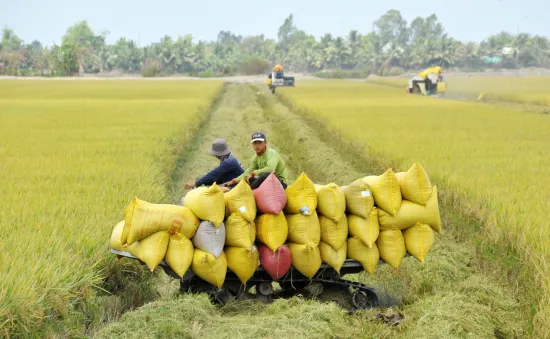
229	169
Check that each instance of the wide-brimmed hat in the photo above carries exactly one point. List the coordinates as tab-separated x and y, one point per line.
219	148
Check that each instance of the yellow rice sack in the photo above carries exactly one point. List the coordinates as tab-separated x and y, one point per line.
207	203
304	229
141	219
208	268
418	240
359	198
305	258
151	250
386	191
241	199
331	201
411	213
179	254
272	230
301	196
332	233
334	258
367	230
368	257
415	184
242	261
239	232
391	245
116	236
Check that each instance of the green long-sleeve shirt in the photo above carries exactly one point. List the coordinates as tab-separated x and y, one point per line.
269	161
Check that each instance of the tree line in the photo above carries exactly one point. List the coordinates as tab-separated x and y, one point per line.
390	48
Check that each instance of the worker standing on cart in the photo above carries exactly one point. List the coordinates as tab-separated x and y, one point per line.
266	161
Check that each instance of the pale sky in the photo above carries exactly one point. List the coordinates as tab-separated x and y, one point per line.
47	20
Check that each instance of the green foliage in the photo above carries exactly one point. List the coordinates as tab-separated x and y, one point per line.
393	43
151	68
254	65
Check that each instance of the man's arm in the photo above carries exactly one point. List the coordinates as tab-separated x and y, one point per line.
270	166
212	176
249	170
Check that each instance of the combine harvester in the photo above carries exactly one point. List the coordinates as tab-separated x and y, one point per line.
430	83
306	237
277	79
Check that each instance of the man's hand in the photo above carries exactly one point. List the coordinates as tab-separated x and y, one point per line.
250	176
189	186
232	182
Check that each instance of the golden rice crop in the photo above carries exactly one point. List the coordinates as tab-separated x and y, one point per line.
522	90
72	155
498	158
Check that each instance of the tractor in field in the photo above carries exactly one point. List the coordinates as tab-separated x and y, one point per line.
277	79
430	82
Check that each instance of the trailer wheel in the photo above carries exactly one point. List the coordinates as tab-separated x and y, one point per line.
362	300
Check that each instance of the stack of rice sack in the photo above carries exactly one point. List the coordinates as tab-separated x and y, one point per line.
272	227
304	231
408	213
363	228
153	232
242	256
209	259
331	209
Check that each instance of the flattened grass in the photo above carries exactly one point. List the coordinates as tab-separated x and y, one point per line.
72	155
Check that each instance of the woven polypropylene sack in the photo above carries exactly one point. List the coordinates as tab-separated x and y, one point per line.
365	229
270	196
411	213
331	201
386	191
116	236
418	240
359	198
305	258
334	258
272	230
275	263
141	219
210	268
179	254
242	261
241	199
332	233
415	184
303	229
391	245
209	238
239	232
368	257
301	196
151	250
207	203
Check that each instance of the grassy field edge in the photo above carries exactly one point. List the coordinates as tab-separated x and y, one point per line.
497	254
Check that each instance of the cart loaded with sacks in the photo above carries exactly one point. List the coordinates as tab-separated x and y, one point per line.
305	238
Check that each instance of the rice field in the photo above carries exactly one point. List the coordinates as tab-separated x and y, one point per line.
497	159
72	155
517	90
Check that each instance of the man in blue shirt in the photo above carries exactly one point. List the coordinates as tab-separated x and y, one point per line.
228	169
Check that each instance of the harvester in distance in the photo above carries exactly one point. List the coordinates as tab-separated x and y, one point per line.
430	82
277	79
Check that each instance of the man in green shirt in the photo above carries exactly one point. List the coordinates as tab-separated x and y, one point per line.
265	161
